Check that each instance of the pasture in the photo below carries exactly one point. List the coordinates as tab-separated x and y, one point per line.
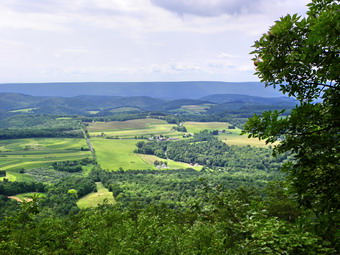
95	198
132	128
16	154
195	127
115	153
231	137
192	109
125	109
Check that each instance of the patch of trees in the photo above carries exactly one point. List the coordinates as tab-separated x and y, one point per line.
2	173
180	128
72	166
9	188
14	133
62	196
40	121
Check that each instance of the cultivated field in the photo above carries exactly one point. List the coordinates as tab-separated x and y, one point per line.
195	108
16	154
115	153
96	198
132	128
231	137
195	127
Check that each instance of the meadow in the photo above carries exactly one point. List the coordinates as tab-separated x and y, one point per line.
95	198
132	128
115	153
193	109
230	137
18	154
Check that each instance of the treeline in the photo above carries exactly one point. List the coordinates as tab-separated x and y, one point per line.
72	166
32	126
40	121
175	188
207	150
15	133
9	188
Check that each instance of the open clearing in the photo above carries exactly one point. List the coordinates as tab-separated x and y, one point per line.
132	128
24	110
195	108
96	198
28	196
16	154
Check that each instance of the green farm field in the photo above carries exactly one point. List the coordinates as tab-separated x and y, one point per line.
115	153
95	198
195	127
231	137
30	153
192	109
132	128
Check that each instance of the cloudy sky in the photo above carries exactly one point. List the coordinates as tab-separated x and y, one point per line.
133	40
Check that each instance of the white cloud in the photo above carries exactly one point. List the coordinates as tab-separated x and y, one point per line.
50	40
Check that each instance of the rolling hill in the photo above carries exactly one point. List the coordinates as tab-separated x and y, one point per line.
170	90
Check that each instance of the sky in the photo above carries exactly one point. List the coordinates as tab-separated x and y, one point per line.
134	40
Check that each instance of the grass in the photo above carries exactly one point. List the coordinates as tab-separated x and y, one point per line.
132	128
125	109
24	110
236	139
29	195
192	109
92	112
16	154
115	153
231	137
195	127
96	198
150	159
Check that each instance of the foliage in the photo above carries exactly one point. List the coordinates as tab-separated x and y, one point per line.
72	166
205	149
222	222
301	56
9	188
62	196
180	128
176	188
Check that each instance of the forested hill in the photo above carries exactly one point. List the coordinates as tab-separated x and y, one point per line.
14	103
171	90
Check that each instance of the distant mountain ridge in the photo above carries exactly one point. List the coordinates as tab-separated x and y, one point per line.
168	90
232	98
84	105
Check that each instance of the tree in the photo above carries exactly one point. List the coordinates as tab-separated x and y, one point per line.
301	57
